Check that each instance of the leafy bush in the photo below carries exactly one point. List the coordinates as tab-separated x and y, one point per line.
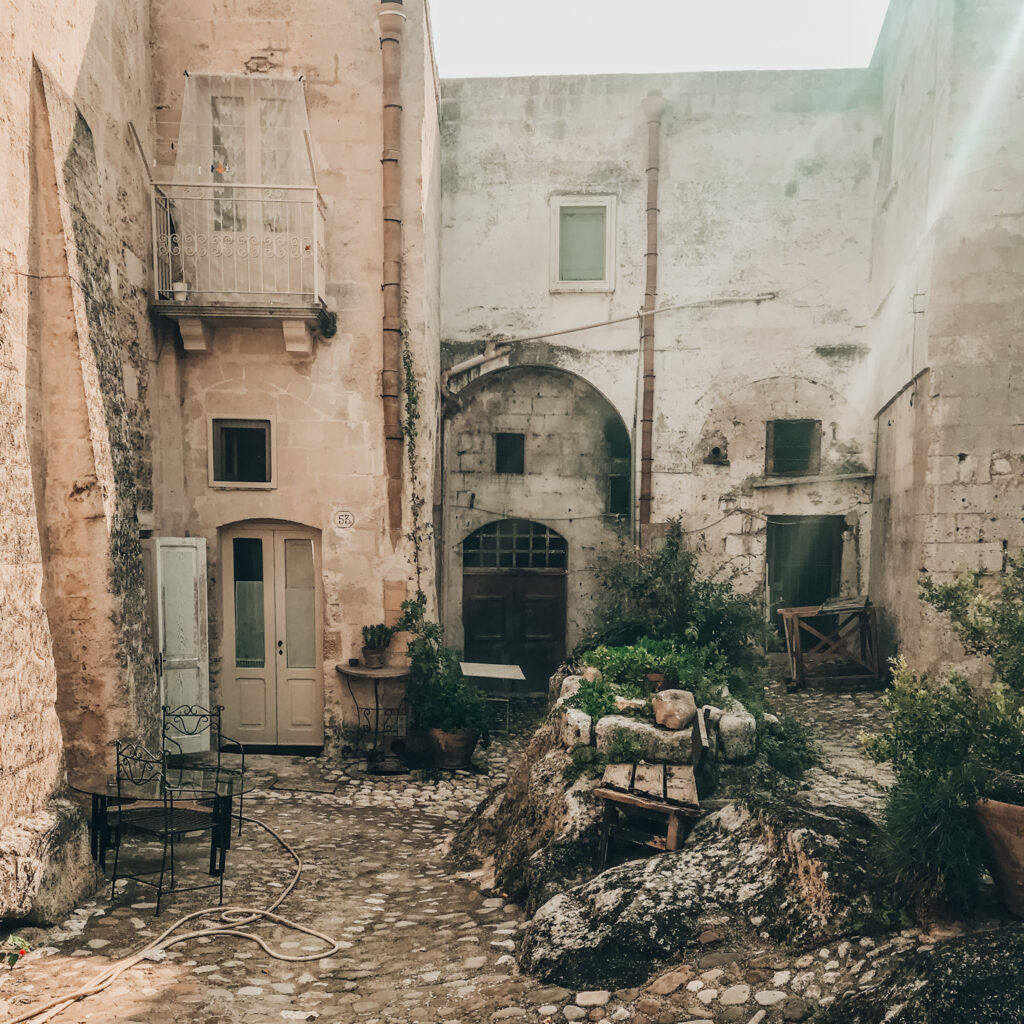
988	624
623	666
948	746
439	695
597	699
658	610
702	670
788	748
663	593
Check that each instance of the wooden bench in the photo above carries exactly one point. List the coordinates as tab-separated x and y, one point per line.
645	791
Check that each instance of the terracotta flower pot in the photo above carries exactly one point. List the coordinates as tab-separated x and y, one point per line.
453	749
657	681
373	657
1004	829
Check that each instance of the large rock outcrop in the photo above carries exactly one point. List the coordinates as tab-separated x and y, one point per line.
792	873
538	835
970	979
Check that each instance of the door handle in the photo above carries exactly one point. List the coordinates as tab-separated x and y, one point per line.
280	647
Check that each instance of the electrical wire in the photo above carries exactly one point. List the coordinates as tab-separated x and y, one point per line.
233	918
640	315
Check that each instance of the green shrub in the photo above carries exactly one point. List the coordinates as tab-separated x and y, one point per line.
439	696
990	624
662	593
623	666
658	610
948	746
596	698
788	748
702	670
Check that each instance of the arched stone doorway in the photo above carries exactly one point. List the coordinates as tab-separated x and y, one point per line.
514	597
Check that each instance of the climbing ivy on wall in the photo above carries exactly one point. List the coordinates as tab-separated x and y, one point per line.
419	534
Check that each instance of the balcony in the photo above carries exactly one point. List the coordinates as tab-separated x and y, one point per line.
225	250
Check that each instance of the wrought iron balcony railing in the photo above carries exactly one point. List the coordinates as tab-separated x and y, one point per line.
245	249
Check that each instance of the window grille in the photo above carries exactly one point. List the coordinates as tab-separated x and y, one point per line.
514	544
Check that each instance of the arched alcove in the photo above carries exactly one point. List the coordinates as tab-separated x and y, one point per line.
534	445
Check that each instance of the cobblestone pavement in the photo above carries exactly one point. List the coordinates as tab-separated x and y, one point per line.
837	718
419	946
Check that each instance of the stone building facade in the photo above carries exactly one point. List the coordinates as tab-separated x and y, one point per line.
227	229
221	233
832	378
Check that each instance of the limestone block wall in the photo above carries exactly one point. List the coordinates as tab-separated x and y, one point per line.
327	410
74	432
766	186
950	442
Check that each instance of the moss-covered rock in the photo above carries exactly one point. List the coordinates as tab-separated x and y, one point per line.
974	978
538	835
802	875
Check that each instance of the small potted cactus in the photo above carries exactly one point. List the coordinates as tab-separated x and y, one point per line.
376	640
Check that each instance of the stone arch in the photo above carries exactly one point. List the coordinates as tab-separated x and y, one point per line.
575	477
733	430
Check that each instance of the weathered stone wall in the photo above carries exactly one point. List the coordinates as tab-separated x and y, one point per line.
327	410
74	348
564	483
765	187
950	441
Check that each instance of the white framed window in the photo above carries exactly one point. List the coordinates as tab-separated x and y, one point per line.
582	243
241	453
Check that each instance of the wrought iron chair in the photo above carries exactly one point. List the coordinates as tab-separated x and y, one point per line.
188	720
141	772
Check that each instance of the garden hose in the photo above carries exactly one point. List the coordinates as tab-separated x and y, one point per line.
233	920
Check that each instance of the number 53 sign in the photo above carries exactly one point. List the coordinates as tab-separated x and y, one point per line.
344	520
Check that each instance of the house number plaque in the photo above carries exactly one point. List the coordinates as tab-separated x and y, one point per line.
344	520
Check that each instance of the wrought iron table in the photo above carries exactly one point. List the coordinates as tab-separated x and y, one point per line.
195	785
386	719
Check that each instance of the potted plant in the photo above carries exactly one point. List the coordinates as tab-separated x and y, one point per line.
447	715
957	753
376	640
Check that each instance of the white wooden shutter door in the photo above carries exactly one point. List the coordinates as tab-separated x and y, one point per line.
181	628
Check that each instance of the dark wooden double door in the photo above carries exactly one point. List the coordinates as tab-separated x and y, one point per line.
516	617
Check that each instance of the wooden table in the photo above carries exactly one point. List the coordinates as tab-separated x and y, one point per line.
854	637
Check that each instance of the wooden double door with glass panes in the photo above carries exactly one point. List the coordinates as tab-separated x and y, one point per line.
271	678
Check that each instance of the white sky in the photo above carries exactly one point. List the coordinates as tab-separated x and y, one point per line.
492	38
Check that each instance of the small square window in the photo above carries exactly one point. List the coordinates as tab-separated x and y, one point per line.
793	447
509	453
582	254
241	452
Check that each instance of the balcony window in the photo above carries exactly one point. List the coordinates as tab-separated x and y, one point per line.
239	220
